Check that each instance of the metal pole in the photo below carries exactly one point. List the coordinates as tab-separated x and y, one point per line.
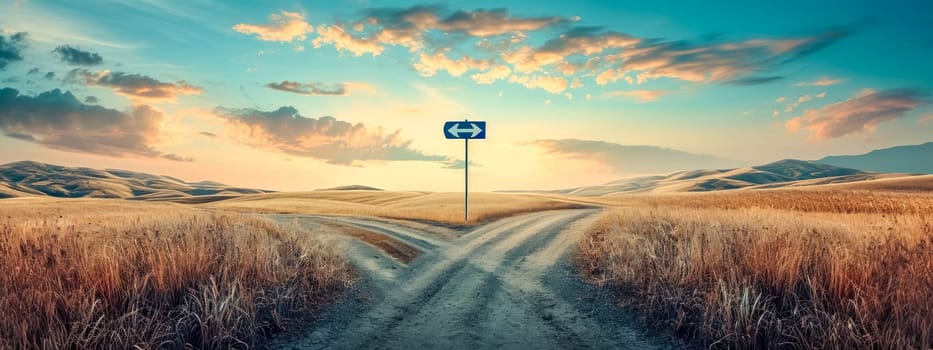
466	181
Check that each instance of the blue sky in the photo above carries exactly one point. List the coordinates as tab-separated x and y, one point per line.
330	93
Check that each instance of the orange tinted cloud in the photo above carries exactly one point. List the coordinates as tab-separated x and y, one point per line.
58	120
554	85
428	65
343	41
582	41
821	82
135	86
287	26
314	88
430	33
476	23
491	75
324	138
861	113
638	95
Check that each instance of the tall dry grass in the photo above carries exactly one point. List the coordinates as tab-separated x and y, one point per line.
805	200
116	275
770	278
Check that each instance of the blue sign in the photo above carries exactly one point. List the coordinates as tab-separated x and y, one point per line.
465	130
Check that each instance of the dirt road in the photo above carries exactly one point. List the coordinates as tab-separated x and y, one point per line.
506	284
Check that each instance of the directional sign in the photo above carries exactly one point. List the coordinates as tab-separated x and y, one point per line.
465	130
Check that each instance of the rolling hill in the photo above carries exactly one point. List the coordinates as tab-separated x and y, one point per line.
784	173
901	159
21	179
351	188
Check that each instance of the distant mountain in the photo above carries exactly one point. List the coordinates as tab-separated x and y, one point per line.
917	159
784	173
39	179
351	188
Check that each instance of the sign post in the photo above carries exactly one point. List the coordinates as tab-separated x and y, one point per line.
465	130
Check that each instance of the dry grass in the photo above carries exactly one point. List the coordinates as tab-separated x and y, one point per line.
821	200
811	277
110	274
445	208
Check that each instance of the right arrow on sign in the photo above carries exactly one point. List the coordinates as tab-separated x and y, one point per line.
456	131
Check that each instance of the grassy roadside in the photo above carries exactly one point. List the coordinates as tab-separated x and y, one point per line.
772	278
118	274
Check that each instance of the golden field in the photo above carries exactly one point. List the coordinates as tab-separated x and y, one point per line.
443	208
121	274
821	268
837	266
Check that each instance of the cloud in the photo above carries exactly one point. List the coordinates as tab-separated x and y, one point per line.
90	100
454	163
630	159
285	27
780	99
50	75
324	138
927	119
335	35
491	75
554	85
135	86
57	120
177	158
749	81
77	57
309	88
718	61
585	41
428	65
432	33
207	134
821	82
611	56
414	27
33	71
790	107
861	113
10	48
484	22
638	95
408	27
340	89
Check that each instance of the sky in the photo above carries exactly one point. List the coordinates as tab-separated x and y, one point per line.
300	95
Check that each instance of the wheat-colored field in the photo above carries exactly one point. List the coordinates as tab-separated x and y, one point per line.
82	274
444	208
773	269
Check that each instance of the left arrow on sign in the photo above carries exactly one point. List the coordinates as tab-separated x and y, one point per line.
456	131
